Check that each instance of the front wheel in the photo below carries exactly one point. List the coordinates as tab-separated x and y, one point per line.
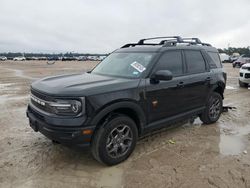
115	141
213	109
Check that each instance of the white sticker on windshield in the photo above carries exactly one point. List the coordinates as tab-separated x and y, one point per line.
138	66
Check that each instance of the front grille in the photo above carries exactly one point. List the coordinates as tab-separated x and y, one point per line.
241	74
247	75
41	98
44	108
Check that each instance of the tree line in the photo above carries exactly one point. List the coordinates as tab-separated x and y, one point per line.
231	50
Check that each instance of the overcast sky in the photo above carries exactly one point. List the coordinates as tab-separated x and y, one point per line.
102	26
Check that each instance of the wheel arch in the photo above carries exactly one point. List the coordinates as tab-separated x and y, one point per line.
128	108
219	88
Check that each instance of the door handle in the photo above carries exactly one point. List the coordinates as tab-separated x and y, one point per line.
180	84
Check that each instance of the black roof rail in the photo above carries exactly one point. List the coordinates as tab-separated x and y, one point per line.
134	44
178	38
197	40
128	45
206	44
172	41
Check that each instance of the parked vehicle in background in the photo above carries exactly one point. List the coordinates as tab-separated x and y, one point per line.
29	58
81	58
100	58
69	58
93	58
243	59
224	58
53	58
244	79
35	58
3	58
21	58
42	58
234	57
32	58
137	89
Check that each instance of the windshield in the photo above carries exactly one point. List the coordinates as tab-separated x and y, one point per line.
129	65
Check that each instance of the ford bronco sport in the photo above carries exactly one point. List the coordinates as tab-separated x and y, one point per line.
138	88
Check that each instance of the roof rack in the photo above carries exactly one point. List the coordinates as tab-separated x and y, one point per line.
192	39
178	39
197	41
171	41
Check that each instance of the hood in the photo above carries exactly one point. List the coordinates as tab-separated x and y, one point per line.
82	84
246	65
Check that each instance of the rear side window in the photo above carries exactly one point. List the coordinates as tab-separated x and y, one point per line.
195	61
172	61
216	60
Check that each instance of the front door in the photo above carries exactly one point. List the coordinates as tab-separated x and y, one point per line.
164	98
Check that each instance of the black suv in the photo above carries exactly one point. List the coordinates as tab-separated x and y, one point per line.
138	88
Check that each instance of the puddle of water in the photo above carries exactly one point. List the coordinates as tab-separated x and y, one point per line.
233	140
231	144
230	87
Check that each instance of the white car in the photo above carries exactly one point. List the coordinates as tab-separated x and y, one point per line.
3	58
244	79
19	59
224	57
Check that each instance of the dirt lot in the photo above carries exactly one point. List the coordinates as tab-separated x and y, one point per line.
200	156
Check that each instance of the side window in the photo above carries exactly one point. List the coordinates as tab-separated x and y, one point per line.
195	61
216	59
172	61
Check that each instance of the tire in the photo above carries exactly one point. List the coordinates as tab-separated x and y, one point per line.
242	84
109	146
213	109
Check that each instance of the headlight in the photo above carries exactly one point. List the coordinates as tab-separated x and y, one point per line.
67	107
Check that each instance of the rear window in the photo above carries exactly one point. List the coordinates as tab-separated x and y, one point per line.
216	63
195	61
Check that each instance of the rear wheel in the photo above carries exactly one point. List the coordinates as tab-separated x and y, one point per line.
115	141
213	109
242	84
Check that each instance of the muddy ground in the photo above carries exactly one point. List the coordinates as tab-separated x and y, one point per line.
191	155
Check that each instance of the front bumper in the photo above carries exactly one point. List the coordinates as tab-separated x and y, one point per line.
244	76
68	134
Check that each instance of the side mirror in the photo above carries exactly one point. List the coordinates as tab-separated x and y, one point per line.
162	75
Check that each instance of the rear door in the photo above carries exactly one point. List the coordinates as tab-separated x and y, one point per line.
197	81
